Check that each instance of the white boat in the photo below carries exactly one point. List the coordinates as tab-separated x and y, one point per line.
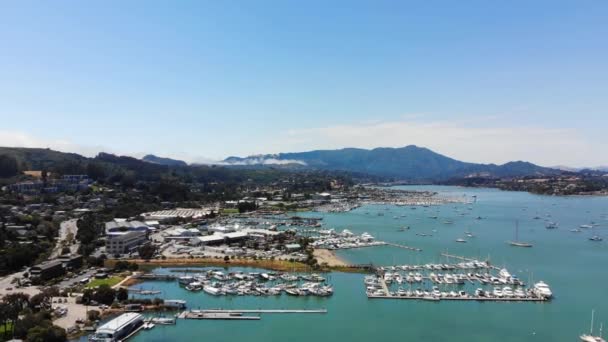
211	290
586	226
519	293
590	337
543	290
595	238
461	240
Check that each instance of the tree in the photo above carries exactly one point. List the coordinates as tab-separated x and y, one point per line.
104	294
226	258
122	294
93	315
51	333
146	251
8	166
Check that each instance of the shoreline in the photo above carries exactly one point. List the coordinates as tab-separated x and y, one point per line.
329	257
334	263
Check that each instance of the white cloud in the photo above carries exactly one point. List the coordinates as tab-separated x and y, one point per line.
263	161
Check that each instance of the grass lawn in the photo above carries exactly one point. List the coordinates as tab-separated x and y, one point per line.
2	331
229	211
111	281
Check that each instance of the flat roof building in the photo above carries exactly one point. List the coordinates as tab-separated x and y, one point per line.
47	270
125	243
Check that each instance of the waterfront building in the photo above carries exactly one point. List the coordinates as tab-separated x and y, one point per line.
118	328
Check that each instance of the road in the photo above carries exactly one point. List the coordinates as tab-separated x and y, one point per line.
65	229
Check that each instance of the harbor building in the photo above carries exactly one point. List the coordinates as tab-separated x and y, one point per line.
119	328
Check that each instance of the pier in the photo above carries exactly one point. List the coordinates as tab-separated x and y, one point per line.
237	314
404	247
470	298
153	276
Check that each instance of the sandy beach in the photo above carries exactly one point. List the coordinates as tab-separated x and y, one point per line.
329	257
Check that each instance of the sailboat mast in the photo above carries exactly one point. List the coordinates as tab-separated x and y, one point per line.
516	230
592	314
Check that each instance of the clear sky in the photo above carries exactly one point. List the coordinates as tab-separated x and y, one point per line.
481	81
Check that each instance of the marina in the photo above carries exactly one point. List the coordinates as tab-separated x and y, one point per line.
485	255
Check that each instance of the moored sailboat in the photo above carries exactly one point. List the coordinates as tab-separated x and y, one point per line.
516	242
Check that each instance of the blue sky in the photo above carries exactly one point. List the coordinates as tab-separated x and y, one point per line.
483	81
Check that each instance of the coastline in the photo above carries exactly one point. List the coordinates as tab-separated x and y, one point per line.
334	263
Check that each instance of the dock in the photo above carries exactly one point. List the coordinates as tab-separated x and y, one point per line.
385	288
415	249
479	299
262	311
153	276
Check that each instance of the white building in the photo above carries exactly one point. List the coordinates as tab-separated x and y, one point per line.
125	243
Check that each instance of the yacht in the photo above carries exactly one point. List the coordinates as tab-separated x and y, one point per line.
211	290
185	280
543	290
461	240
586	226
507	292
595	238
519	293
497	292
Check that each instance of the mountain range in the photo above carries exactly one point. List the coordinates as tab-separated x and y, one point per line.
404	163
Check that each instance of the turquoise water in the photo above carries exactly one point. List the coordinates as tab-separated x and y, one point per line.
574	267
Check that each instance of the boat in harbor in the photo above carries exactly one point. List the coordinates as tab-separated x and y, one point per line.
214	291
516	242
591	337
461	240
